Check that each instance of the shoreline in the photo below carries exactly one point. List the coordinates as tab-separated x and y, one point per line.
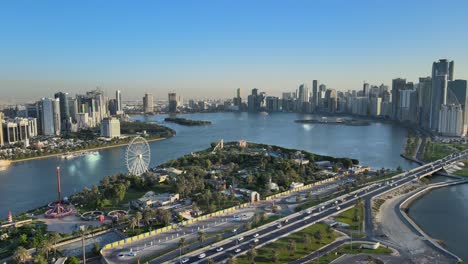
76	151
409	200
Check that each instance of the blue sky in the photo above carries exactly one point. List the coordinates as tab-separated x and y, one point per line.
209	48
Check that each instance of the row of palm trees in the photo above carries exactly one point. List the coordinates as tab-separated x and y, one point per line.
22	255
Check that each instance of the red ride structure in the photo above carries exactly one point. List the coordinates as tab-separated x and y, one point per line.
59	210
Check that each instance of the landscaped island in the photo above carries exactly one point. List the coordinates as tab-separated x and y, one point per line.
187	122
334	121
219	177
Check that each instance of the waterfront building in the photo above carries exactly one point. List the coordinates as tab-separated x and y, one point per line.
172	103
1	130
375	106
82	121
424	91
72	108
50	116
118	98
315	92
148	106
304	96
272	104
10	133
255	101
331	101
64	110
451	120
360	106
113	107
110	127
459	90
442	73
406	108
238	100
365	89
397	85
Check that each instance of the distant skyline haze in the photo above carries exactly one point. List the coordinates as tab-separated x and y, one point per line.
207	49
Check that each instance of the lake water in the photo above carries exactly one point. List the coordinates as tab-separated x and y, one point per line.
443	214
26	185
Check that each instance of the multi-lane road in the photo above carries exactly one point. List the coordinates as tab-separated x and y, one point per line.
240	244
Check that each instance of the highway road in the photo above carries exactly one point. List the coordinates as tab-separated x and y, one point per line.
268	233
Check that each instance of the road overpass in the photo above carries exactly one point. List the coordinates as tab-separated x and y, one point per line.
269	233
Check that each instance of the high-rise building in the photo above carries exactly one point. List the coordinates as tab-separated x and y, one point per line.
315	91
238	100
272	104
50	116
442	72
110	127
331	102
460	91
375	106
118	97
304	98
365	89
1	130
64	110
425	91
172	105
397	85
113	107
148	106
451	120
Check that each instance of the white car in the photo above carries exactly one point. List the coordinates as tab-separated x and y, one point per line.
256	235
202	255
256	241
338	208
185	260
219	249
279	226
309	211
234	231
240	238
237	250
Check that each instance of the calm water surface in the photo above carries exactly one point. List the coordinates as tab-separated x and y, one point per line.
443	214
26	185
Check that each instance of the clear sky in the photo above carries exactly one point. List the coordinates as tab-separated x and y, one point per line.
209	48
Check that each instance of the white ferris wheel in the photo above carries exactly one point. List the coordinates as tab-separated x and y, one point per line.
138	156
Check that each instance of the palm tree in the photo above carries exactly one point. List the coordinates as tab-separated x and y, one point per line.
274	255
329	231
201	237
21	255
306	241
45	247
182	243
133	223
232	260
291	247
138	217
251	254
55	238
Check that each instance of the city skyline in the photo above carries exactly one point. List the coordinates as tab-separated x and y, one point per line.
214	48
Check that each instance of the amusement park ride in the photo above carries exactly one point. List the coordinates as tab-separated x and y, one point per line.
59	208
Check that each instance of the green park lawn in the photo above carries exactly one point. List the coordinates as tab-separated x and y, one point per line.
265	254
348	217
347	249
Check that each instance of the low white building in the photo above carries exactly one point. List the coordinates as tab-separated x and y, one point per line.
295	185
